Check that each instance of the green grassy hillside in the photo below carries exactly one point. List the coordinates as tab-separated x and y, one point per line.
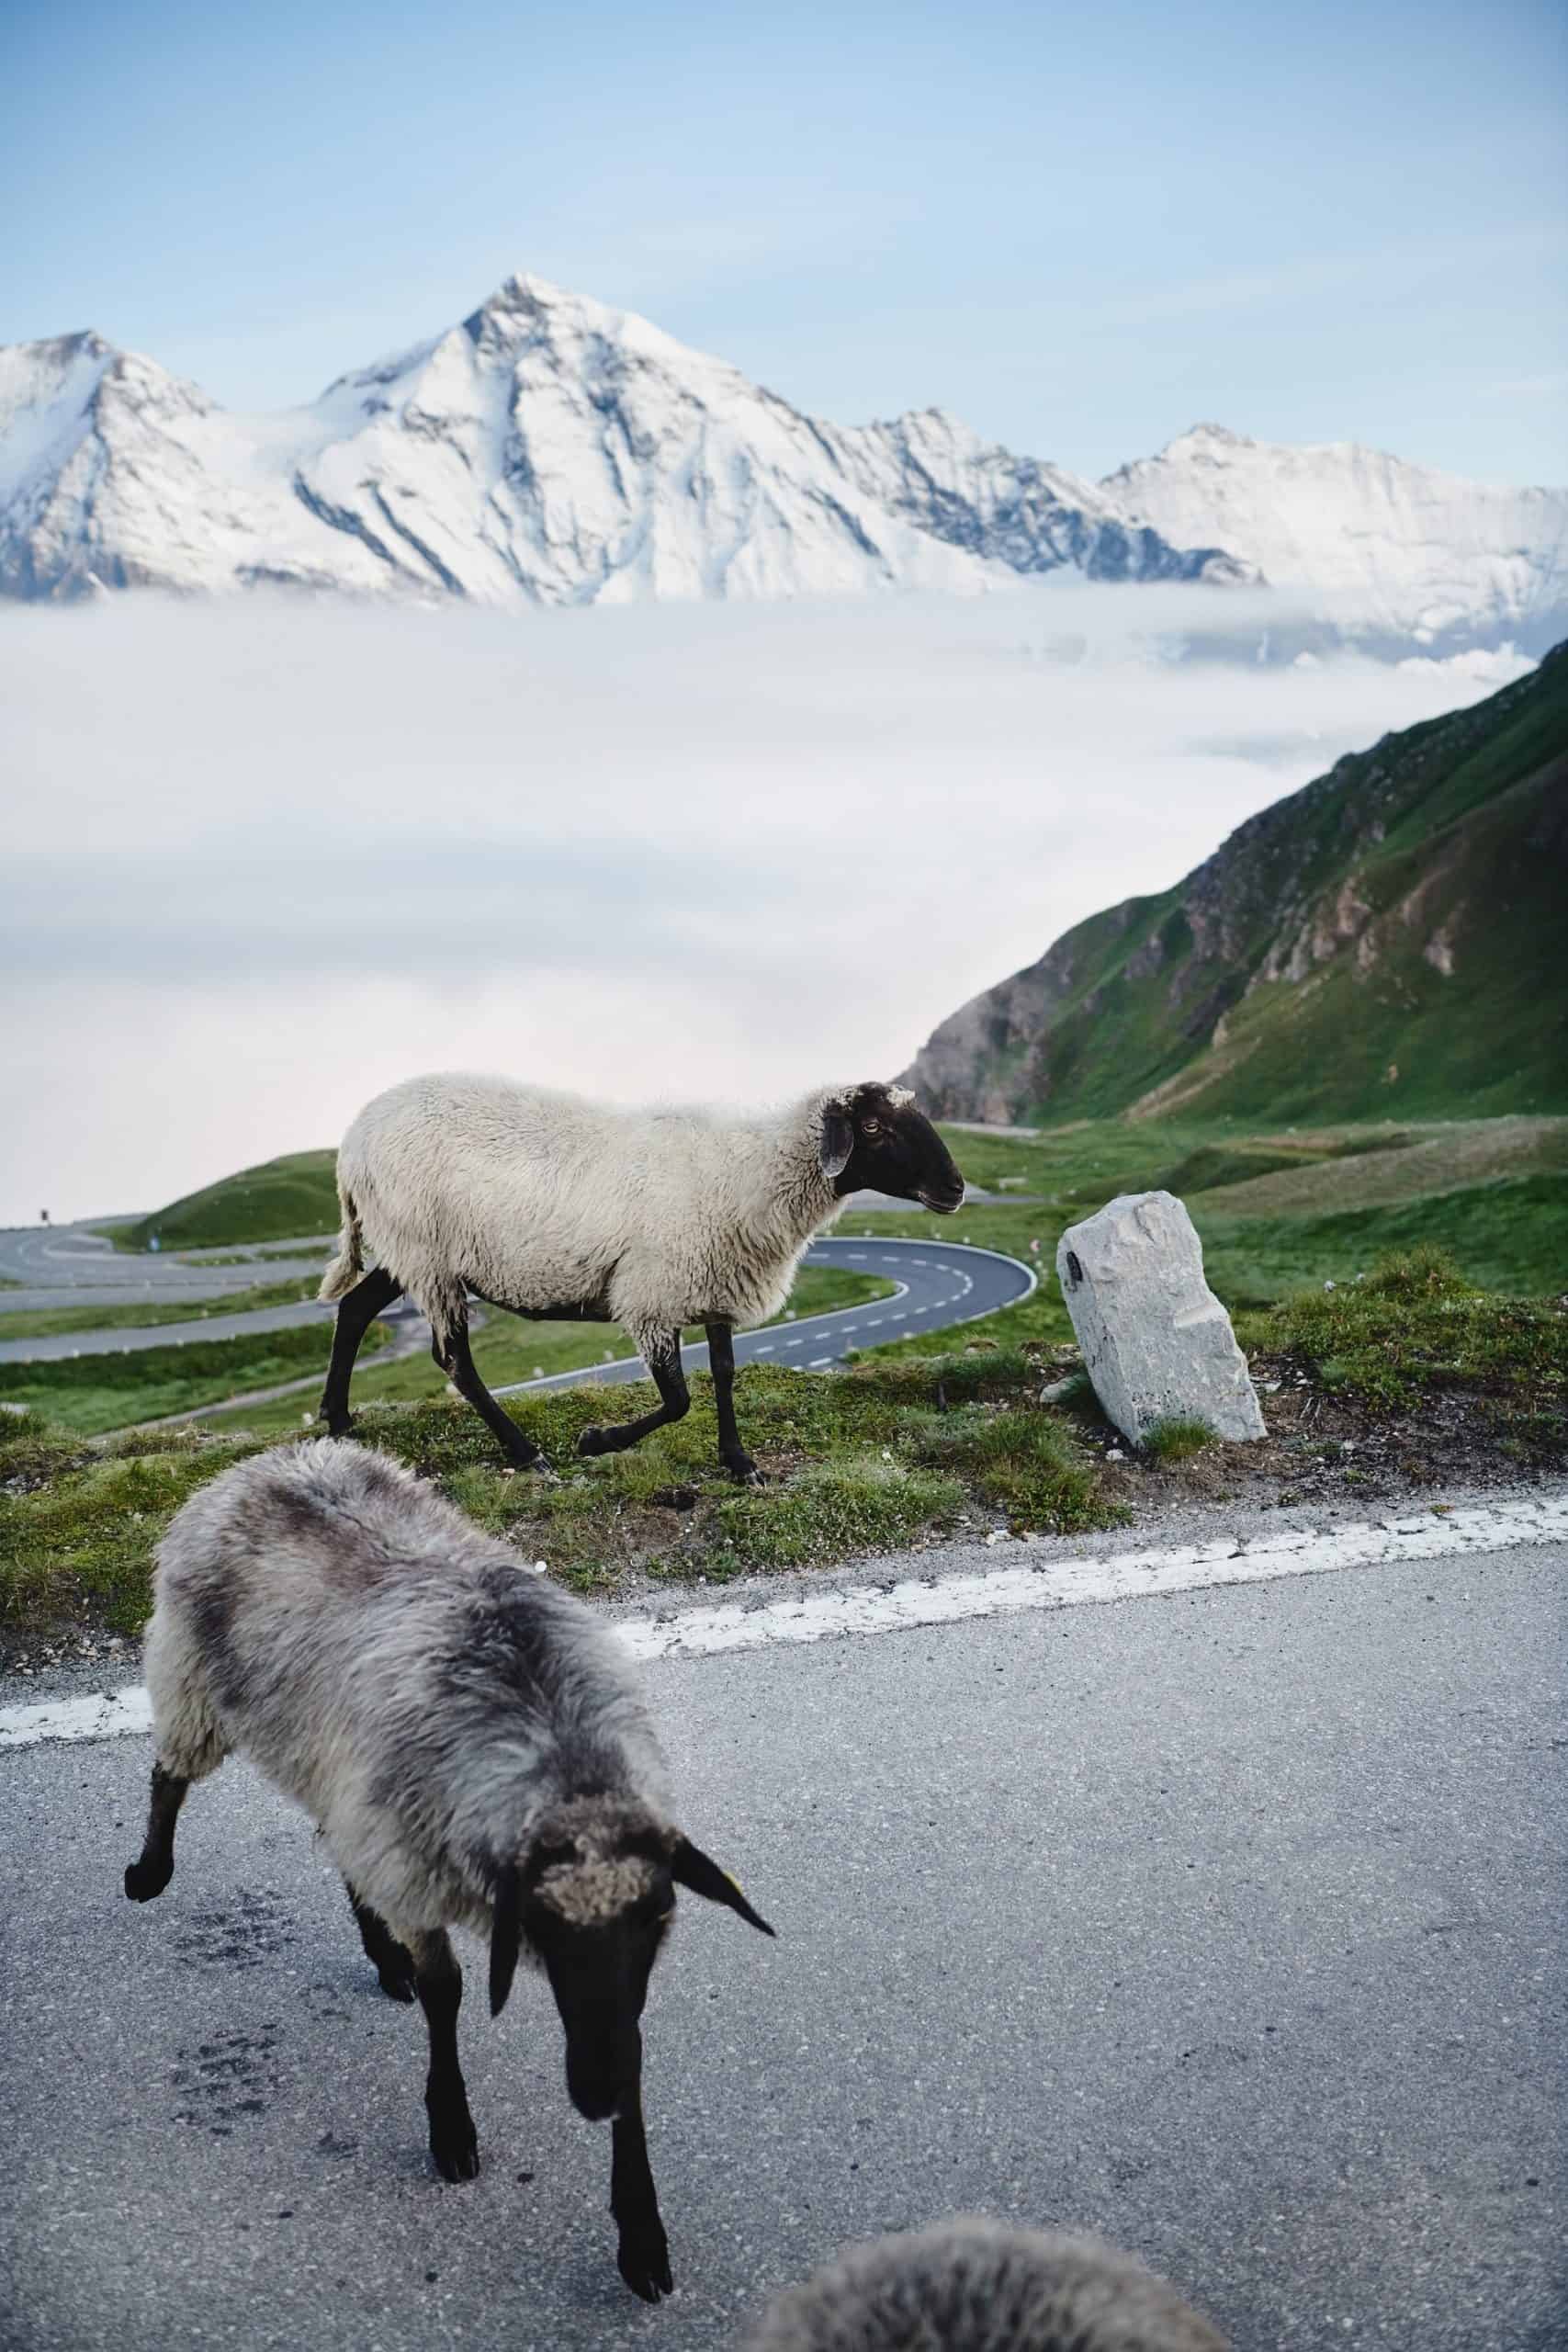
1277	1202
280	1201
1388	943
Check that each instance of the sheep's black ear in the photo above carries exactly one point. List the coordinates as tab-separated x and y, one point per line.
505	1937
689	1866
837	1140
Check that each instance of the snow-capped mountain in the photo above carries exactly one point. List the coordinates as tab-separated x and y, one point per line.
547	450
1395	552
551	450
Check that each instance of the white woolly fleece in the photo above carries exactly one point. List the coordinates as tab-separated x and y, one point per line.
657	1218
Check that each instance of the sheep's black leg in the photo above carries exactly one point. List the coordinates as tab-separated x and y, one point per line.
393	1962
457	1363
154	1867
438	1981
670	1374
643	2255
721	1363
355	1315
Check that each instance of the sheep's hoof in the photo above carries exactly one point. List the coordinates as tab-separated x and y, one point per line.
741	1467
643	2261
593	1442
454	2147
144	1879
395	1977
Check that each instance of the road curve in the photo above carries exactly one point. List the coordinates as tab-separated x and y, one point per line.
940	1283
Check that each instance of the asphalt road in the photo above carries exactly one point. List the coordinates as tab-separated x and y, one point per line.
115	1341
940	1283
1229	1924
66	1265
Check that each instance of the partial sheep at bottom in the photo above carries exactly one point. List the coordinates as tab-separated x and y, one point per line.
973	2284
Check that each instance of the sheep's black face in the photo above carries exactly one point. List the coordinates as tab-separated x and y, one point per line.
593	1899
598	1974
876	1141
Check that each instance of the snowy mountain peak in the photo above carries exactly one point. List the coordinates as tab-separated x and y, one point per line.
524	307
549	449
1204	440
81	419
552	450
1401	557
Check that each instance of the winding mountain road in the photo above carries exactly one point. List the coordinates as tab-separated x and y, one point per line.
940	1283
71	1265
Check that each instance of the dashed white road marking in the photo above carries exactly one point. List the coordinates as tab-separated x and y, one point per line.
937	1600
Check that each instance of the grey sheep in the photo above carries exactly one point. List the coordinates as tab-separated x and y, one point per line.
469	1740
970	2285
552	1206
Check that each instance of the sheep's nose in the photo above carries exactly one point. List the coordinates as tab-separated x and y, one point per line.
594	2101
595	2093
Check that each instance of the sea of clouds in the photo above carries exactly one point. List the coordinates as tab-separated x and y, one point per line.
261	859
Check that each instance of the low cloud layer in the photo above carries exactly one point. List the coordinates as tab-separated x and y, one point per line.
264	859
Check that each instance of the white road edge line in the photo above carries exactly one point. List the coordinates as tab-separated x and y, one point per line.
941	1600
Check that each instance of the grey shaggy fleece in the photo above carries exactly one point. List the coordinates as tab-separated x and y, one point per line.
971	2285
398	1673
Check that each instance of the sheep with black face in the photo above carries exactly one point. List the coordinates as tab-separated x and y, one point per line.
554	1208
467	1738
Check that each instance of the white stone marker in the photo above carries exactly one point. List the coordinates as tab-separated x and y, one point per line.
1156	1342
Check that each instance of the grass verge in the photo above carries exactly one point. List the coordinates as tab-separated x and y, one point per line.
93	1394
1414	1329
1411	1377
856	1462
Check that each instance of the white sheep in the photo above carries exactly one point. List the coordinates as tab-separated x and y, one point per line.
469	1742
552	1206
971	2285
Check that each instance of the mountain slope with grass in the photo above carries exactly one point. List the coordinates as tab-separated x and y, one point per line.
282	1200
1388	942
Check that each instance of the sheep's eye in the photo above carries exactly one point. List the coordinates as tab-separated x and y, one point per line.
870	1127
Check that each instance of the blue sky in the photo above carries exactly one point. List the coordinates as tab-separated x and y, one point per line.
1080	229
